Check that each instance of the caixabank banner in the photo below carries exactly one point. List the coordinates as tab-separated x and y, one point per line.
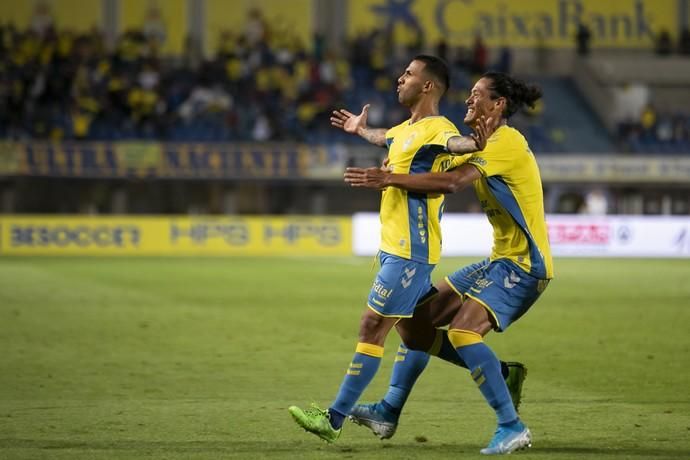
534	23
162	236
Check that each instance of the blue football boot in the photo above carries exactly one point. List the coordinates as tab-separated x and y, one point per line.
380	421
509	439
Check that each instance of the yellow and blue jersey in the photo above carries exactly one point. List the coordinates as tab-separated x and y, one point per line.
510	193
411	222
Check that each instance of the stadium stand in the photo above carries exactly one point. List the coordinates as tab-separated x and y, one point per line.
643	101
261	82
62	86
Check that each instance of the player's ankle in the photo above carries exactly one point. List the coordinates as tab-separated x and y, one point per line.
389	408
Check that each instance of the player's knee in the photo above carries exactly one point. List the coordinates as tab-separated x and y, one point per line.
414	342
416	333
406	334
372	328
473	316
419	339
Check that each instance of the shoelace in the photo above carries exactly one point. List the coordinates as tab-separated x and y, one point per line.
316	410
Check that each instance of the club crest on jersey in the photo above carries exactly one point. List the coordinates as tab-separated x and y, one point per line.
408	141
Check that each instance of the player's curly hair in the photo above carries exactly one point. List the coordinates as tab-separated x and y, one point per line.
517	93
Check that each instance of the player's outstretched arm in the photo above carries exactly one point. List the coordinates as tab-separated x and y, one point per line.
357	124
483	129
441	182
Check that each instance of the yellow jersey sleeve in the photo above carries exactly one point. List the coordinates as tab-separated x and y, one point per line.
442	136
457	160
497	158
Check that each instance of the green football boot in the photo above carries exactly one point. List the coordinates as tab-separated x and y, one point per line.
315	420
516	376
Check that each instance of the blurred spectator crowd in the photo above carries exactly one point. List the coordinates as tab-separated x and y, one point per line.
644	128
263	84
656	132
56	84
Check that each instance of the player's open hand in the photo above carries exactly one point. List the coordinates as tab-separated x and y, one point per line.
483	130
349	122
374	178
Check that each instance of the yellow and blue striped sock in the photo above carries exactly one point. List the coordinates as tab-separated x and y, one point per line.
442	348
362	369
486	372
408	366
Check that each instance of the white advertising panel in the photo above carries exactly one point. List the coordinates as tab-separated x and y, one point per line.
570	235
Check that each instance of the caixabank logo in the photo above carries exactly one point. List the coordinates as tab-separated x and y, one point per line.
546	23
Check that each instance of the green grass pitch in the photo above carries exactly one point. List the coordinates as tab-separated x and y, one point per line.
200	357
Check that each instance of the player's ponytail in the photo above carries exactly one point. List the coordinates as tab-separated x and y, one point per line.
516	92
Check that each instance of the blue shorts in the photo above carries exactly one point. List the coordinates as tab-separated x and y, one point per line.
505	289
399	285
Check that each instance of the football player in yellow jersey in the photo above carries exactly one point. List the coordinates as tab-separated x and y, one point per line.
410	238
489	295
